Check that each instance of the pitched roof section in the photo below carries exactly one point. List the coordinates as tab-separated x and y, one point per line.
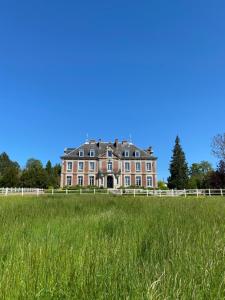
100	149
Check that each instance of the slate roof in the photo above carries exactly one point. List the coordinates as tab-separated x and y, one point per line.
100	149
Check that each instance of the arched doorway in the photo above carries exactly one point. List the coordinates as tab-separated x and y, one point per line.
110	182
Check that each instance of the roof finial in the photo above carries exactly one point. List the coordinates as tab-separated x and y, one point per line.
130	138
87	138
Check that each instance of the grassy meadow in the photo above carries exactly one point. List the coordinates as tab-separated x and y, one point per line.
112	247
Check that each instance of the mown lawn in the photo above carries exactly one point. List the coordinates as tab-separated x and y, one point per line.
112	247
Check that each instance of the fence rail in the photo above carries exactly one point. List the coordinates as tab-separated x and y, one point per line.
121	192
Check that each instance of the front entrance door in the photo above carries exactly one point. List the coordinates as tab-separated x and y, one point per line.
110	182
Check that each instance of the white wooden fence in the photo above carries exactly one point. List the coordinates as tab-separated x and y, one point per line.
119	192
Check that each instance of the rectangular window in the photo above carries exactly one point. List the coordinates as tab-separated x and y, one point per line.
127	167
69	180
80	166
137	153
81	153
91	180
80	180
138	180
92	153
148	166
109	166
109	153
126	153
127	180
149	181
138	167
69	166
91	165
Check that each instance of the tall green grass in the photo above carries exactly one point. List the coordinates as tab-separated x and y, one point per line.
110	247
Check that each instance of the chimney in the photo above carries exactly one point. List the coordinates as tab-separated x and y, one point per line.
149	150
116	143
124	142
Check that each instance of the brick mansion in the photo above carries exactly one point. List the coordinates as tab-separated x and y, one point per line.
109	165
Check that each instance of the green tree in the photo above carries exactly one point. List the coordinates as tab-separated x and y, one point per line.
9	171
199	174
34	175
53	174
178	178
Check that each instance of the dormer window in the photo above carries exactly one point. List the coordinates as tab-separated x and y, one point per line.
110	166
137	153
81	153
92	153
126	153
109	153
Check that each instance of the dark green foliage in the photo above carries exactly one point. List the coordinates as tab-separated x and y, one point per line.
9	172
199	175
53	175
217	178
178	168
34	175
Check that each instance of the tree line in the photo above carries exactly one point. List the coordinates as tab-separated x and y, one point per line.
33	175
199	175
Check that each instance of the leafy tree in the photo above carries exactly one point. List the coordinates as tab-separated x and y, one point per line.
178	168
217	178
53	174
218	146
9	171
162	185
199	174
34	175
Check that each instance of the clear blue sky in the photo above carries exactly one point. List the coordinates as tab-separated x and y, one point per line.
153	69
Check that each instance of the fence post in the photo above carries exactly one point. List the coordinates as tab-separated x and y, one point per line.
94	192
66	191
22	191
52	191
197	192
80	191
147	192
6	192
37	192
209	192
185	194
172	192
160	193
134	192
221	192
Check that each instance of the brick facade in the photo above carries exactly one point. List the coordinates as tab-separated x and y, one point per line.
109	165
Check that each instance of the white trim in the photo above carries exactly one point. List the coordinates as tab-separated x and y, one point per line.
150	176
138	162
139	153
69	162
67	181
92	150
110	161
125	162
127	151
81	150
89	163
136	180
125	180
146	169
83	162
78	179
91	175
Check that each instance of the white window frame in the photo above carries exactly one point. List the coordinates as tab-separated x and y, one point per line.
67	169
91	162
111	163
137	152
92	153
80	170
81	176
148	170
138	162
71	177
126	170
149	176
89	176
126	153
81	151
136	180
127	176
